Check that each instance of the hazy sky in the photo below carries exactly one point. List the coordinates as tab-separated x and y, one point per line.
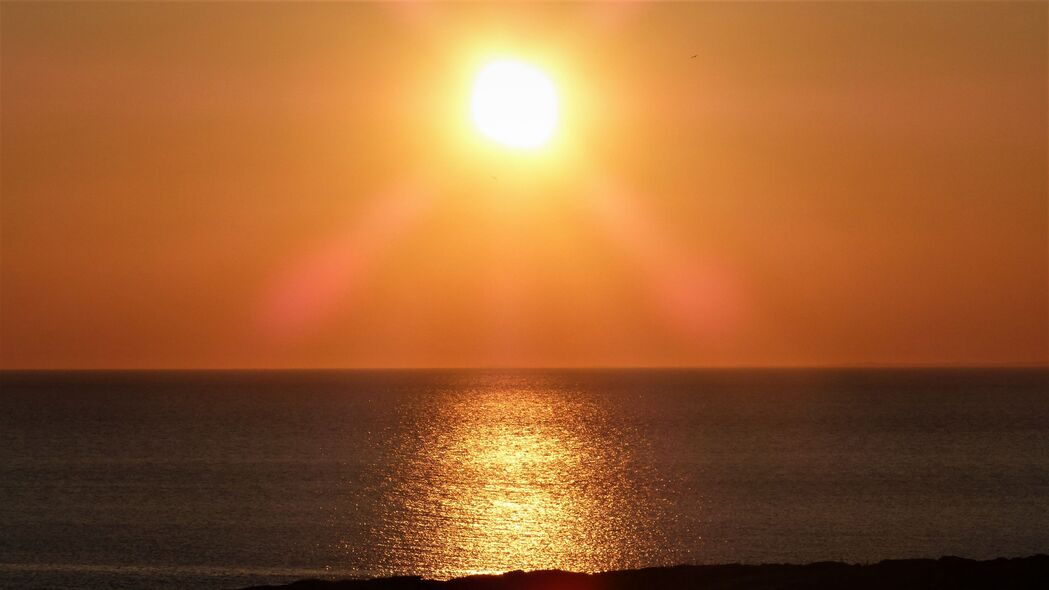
299	185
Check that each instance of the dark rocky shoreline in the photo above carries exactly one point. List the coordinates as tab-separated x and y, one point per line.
946	572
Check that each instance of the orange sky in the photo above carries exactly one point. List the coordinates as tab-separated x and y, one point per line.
283	185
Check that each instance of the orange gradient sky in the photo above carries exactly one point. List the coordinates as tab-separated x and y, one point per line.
299	185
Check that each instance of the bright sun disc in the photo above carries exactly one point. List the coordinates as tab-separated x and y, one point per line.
514	104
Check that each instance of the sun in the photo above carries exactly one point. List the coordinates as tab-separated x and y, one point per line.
515	104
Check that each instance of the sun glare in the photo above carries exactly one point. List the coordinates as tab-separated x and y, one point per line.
514	104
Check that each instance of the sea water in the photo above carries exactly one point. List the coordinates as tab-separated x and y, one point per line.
226	479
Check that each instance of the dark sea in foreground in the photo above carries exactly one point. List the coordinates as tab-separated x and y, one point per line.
229	479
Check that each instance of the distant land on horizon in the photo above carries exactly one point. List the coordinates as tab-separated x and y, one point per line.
901	574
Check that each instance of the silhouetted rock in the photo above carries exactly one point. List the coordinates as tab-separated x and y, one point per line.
946	572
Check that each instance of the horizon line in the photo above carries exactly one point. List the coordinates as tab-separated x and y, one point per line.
376	369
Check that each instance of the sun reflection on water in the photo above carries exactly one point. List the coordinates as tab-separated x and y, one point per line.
508	477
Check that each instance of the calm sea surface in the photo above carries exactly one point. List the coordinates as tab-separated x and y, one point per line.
220	480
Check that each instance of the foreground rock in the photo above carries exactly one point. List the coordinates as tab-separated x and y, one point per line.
946	572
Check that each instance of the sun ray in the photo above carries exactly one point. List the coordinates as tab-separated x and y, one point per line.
300	296
694	295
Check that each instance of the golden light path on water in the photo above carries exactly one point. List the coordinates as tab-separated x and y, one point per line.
513	476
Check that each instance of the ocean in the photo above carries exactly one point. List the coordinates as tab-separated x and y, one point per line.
227	479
